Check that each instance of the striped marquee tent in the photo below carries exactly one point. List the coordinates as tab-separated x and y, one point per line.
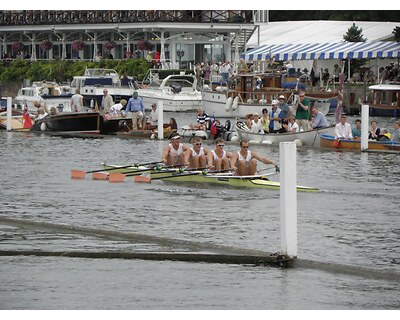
324	51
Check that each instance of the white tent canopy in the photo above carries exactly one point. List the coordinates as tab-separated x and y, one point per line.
317	32
324	51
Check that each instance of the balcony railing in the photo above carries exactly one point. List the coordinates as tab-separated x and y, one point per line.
47	17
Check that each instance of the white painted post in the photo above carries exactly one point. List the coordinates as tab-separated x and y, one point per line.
288	198
160	125
9	113
364	126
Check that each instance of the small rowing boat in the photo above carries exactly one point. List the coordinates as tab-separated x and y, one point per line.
202	177
328	141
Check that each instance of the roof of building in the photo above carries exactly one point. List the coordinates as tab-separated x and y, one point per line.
318	31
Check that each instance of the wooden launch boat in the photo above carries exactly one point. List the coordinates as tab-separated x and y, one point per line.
69	122
251	92
329	141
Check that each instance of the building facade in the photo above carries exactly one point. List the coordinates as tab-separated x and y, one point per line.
177	38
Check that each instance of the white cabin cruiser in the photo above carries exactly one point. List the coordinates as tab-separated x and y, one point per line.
48	94
177	92
95	80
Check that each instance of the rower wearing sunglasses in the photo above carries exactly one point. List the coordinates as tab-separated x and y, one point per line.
196	156
174	152
218	159
244	162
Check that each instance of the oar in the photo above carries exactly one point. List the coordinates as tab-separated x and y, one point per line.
120	177
79	174
147	179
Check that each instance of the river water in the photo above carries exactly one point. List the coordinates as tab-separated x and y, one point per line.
354	221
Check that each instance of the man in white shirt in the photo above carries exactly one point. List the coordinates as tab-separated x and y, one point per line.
77	102
154	115
343	129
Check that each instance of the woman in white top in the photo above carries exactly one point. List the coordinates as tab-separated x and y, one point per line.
218	159
292	125
196	156
256	124
244	162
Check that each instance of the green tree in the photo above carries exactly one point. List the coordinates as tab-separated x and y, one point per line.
396	32
354	34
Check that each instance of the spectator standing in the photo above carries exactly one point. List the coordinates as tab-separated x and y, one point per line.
136	107
106	101
302	107
77	102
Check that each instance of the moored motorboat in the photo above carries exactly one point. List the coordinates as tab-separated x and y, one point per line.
330	141
307	138
47	93
70	122
95	80
178	93
385	100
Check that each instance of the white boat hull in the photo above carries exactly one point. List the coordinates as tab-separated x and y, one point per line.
172	102
307	138
64	102
216	103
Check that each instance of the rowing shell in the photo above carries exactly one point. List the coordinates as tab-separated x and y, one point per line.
199	177
256	181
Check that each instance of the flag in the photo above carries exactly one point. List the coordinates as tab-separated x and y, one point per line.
27	119
338	111
213	128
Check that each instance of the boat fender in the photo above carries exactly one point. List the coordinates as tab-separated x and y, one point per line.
43	126
227	125
234	138
235	103
298	142
200	134
228	104
266	142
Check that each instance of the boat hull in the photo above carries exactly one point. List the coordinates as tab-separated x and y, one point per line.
172	102
112	125
229	181
216	103
307	138
146	133
200	177
79	122
329	141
